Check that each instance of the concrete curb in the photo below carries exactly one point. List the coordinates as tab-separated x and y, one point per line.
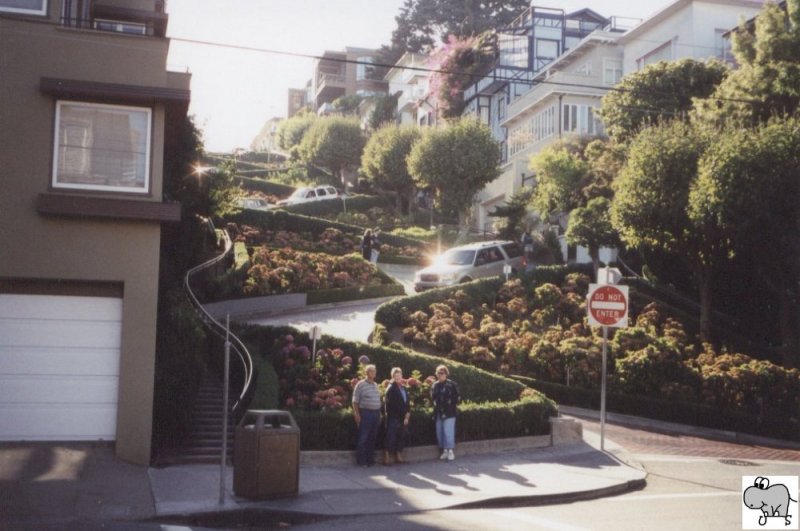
312	307
682	429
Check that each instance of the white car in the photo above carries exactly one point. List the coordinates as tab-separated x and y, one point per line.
307	195
468	262
253	203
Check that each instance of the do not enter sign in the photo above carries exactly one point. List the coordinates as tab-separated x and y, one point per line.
607	305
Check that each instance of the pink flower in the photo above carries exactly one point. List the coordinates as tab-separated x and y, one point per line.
290	402
347	360
413	382
288	362
290	338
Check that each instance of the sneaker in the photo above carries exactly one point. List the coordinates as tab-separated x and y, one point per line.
444	455
450	455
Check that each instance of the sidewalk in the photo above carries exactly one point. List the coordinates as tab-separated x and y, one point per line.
46	483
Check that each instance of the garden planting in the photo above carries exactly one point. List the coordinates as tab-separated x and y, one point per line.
319	391
538	329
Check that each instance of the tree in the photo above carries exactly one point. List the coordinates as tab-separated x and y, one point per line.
385	110
421	23
572	171
347	104
748	197
590	226
334	143
458	63
291	131
513	213
651	203
660	91
457	162
767	81
384	160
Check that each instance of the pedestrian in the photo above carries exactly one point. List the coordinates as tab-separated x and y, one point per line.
527	249
444	394
367	414
376	246
366	245
398	413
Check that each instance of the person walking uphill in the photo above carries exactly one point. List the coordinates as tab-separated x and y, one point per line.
367	413
398	412
366	245
444	393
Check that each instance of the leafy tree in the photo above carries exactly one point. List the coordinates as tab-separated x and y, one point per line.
590	226
334	143
457	162
514	213
421	23
651	203
291	131
384	160
767	81
572	171
385	110
748	197
347	104
661	91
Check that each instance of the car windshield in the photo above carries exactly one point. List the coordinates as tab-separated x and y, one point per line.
300	192
457	257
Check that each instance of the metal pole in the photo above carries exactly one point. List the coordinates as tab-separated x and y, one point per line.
225	384
603	393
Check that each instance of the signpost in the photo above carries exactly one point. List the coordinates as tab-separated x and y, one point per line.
607	306
507	270
315	333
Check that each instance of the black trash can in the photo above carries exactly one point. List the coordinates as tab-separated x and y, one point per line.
266	455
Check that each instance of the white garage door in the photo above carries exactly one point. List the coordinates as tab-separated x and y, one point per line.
59	367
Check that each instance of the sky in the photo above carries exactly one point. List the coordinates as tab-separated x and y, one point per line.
234	91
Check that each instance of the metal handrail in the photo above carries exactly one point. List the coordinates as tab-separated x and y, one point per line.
218	328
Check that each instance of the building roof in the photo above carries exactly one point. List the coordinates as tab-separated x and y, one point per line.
675	7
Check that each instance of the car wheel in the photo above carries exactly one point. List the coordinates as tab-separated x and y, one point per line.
465	279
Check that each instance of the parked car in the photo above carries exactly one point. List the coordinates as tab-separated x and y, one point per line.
468	262
253	203
307	195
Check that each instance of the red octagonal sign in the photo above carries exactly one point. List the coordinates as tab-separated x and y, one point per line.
608	305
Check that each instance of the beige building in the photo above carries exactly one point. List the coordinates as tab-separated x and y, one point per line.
345	73
88	113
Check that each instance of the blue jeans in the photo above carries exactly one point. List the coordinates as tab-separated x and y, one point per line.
367	433
446	432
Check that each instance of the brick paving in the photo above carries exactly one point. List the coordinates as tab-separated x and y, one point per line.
645	441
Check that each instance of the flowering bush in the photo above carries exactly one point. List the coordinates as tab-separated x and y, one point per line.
275	271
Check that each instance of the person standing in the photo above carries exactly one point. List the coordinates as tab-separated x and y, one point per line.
444	394
398	413
376	246
527	248
366	245
367	414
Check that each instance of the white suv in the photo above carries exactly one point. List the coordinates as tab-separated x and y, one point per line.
468	262
307	195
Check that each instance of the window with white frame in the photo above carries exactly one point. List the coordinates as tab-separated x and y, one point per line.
513	50
102	147
612	71
581	119
26	7
585	69
660	53
722	44
501	107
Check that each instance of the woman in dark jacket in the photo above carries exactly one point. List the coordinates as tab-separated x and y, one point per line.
398	412
444	393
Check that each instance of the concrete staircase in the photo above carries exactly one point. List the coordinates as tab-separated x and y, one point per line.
204	442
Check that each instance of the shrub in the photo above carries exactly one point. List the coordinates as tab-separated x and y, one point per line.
356	203
264	186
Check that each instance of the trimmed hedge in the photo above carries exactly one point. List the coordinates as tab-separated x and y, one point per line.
336	429
260	185
492	408
668	410
282	220
357	203
390	313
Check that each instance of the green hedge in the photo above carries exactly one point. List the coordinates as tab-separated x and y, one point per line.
282	220
476	385
668	410
390	313
267	187
356	203
336	430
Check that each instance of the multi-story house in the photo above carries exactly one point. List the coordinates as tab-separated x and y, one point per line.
298	99
265	139
409	80
345	73
88	112
685	29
